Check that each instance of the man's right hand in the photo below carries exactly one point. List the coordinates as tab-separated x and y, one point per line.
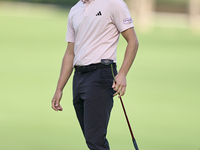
56	101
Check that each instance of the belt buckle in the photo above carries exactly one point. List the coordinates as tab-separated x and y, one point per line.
107	61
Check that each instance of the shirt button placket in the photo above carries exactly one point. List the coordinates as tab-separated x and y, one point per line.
86	8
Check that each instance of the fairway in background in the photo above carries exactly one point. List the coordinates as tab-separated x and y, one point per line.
162	97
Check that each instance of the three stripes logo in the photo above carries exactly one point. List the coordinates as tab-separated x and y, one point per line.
99	14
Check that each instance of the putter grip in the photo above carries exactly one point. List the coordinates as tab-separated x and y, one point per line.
135	144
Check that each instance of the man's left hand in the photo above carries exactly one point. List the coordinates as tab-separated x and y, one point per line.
120	85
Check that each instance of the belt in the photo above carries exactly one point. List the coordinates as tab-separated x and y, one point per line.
92	67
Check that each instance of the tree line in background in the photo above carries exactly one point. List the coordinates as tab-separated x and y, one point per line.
72	2
58	2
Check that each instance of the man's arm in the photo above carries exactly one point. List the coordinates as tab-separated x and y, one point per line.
66	70
131	50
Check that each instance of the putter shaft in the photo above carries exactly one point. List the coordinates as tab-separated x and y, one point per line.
133	138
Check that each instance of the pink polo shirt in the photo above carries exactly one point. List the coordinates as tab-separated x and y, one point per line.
94	27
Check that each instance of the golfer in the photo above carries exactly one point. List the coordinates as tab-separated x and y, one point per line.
93	32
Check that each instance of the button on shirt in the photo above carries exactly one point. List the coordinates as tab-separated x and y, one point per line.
94	28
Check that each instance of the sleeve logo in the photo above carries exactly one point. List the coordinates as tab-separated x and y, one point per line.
128	20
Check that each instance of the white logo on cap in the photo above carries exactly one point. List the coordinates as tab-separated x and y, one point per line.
128	20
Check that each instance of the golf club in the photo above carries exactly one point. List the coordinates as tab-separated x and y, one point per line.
133	138
110	62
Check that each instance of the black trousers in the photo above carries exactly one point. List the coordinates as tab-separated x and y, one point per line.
93	101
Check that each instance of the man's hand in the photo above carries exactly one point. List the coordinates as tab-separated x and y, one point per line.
56	101
119	85
66	70
131	50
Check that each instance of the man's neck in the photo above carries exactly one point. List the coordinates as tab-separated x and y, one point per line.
84	1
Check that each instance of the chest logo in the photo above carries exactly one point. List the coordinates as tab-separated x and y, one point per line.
99	13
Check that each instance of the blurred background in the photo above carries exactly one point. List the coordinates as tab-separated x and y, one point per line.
162	98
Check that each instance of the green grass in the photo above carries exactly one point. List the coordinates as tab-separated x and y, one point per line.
162	99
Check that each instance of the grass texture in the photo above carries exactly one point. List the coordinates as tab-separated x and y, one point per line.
162	97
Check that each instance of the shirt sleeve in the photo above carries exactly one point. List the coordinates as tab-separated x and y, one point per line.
70	35
121	15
